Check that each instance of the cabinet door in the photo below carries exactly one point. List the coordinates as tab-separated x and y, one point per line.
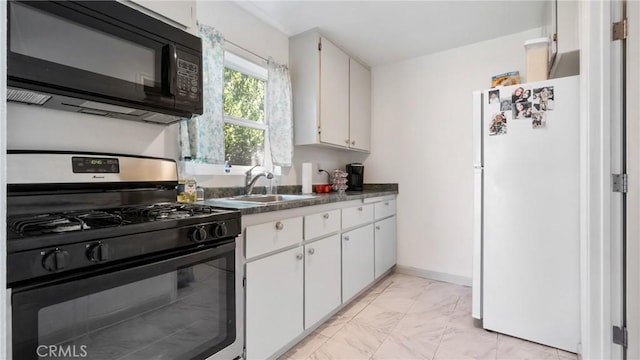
334	95
385	245
359	106
357	261
274	302
321	279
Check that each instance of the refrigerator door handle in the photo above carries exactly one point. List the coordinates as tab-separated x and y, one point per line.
476	288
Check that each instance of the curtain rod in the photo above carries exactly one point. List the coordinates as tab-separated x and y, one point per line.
248	51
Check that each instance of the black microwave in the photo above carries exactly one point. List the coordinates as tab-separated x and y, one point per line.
102	58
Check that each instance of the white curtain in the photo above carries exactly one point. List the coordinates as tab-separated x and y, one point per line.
202	138
279	113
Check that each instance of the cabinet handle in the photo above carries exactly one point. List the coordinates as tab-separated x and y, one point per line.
299	256
326	216
346	141
353	142
346	238
378	227
360	208
279	225
312	251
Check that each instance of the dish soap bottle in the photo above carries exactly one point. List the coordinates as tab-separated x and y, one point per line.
186	184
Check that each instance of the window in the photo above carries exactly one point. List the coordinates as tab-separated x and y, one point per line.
245	128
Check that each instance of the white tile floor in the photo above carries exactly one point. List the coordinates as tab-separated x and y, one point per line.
407	317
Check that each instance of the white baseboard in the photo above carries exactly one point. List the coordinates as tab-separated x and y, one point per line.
434	275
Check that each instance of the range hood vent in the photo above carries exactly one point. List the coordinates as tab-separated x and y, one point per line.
26	96
78	105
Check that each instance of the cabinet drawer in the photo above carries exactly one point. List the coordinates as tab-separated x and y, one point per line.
357	215
320	224
384	209
263	238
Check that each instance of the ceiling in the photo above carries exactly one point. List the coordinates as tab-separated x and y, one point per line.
379	32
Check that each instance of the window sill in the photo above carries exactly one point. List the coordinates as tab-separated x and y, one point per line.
194	168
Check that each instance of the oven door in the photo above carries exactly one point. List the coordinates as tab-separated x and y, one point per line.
182	307
99	50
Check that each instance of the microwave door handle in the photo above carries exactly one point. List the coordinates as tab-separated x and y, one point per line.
169	71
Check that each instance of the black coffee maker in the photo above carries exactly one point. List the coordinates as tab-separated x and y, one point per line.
355	176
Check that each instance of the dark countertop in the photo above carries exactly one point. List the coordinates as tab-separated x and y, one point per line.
247	208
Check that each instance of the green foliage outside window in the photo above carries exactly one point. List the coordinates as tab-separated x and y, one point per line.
243	99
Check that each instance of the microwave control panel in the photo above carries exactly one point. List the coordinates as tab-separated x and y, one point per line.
188	79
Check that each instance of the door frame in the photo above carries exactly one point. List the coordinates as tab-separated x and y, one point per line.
633	171
4	302
618	166
597	67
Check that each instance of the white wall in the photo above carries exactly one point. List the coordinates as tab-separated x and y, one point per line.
422	140
244	29
30	127
34	128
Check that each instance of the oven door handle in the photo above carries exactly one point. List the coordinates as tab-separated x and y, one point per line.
90	282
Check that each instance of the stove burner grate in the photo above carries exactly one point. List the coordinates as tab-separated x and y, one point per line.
167	211
63	222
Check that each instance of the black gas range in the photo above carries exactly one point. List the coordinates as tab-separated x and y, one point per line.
87	228
50	243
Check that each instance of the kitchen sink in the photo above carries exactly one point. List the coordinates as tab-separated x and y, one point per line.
270	198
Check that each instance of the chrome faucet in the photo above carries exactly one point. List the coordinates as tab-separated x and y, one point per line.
250	181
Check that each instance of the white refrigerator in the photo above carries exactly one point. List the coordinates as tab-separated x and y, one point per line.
526	270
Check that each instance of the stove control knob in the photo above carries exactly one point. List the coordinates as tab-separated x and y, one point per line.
55	260
199	234
220	229
98	252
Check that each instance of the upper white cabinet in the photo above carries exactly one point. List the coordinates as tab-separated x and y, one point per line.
567	20
180	13
334	95
360	106
331	94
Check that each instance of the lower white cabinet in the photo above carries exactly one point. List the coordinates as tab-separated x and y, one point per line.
385	245
321	279
288	292
274	305
357	260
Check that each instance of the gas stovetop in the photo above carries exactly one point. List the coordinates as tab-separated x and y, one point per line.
64	222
